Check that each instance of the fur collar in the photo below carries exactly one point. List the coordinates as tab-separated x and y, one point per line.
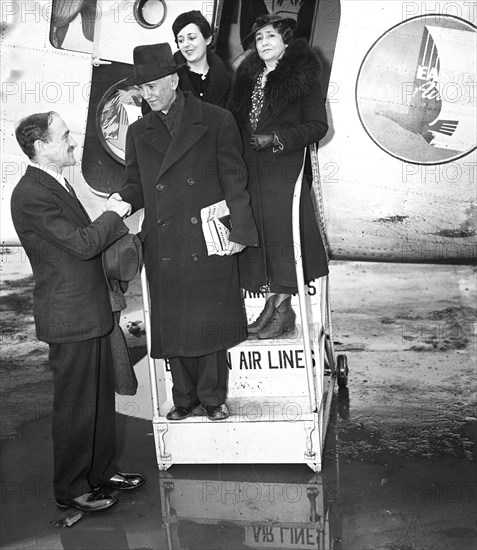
293	78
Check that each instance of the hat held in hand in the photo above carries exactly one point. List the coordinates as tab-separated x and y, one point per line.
123	259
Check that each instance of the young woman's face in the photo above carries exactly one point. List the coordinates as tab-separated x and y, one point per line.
269	43
192	44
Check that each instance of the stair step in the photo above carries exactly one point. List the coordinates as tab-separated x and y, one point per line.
274	408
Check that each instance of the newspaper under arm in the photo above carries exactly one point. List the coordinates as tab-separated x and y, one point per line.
216	226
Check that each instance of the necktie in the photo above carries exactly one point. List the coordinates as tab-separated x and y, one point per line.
70	189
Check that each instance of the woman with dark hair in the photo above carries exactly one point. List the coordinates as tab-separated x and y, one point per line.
277	101
205	74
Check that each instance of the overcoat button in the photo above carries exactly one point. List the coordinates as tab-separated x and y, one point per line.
161	223
160	187
194	220
195	257
190	181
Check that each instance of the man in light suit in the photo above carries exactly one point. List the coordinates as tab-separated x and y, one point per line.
72	313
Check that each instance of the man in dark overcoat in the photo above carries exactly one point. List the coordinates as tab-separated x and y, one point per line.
181	157
72	313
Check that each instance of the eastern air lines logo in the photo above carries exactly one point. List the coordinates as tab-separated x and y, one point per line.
416	90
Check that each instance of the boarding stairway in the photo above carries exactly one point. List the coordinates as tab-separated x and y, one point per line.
279	394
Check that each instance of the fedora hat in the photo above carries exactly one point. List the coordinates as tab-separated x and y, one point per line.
122	260
152	62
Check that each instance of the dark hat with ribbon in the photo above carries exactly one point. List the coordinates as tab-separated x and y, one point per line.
152	62
270	19
263	21
122	260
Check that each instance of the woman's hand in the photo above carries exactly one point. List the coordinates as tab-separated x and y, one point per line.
261	141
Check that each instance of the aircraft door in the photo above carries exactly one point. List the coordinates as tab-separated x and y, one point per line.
121	26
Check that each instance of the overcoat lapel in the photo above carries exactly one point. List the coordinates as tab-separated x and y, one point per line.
156	134
188	133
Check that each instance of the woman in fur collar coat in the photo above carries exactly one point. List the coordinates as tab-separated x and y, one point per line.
278	104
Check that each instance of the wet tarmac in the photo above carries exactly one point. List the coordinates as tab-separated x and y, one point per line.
399	463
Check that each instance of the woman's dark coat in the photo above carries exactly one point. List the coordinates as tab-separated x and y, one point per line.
294	108
219	80
196	302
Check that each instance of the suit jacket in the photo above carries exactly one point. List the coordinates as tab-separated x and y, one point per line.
196	303
70	297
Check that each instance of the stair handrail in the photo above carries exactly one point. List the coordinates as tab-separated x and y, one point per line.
300	277
146	304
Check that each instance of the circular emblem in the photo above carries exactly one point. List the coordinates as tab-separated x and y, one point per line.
119	107
416	90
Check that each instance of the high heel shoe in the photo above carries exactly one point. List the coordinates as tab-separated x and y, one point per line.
264	316
282	321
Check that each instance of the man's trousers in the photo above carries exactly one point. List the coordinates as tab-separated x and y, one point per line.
84	422
200	379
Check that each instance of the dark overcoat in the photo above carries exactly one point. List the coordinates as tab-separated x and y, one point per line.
294	108
70	297
196	302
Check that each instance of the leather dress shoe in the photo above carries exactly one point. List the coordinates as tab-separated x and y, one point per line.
94	501
264	316
217	412
179	413
125	482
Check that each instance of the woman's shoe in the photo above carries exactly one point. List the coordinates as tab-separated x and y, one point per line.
262	319
282	321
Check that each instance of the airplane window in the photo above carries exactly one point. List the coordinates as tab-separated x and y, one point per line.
72	25
150	13
415	89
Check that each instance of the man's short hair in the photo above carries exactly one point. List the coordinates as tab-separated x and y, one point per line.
31	128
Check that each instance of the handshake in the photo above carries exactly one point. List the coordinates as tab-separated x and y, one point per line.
116	204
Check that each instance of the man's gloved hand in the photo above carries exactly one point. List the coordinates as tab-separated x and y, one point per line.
259	142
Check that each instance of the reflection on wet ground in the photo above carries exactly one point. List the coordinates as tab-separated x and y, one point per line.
399	464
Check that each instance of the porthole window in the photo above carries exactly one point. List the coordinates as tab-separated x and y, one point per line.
150	14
